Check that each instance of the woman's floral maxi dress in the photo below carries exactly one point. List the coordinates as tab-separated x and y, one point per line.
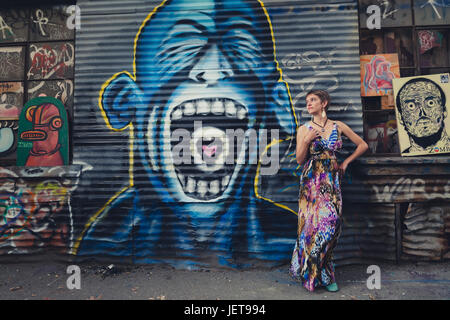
319	213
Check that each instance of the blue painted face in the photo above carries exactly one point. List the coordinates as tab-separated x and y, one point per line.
231	39
206	69
205	76
199	67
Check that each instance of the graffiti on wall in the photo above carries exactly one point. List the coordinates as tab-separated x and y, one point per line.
8	137
377	73
49	61
59	89
404	189
43	133
33	212
13	25
45	23
436	11
197	75
11	100
50	23
11	63
321	67
391	13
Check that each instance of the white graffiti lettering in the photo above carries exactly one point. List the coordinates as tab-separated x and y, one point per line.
322	68
5	28
410	188
41	20
434	4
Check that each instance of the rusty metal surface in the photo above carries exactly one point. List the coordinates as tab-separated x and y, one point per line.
368	234
397	179
426	231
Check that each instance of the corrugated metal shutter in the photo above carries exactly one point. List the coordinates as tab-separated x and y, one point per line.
126	206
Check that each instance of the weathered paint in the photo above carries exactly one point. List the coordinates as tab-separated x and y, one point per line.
35	212
426	231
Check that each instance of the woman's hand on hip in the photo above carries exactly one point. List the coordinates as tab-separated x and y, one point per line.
343	167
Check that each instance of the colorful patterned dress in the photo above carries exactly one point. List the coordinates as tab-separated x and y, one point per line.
319	213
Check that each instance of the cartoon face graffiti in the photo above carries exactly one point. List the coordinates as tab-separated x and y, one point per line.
46	122
421	104
214	65
203	70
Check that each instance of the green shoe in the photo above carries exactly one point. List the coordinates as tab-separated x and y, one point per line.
332	287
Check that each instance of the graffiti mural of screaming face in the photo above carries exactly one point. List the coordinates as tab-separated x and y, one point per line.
211	64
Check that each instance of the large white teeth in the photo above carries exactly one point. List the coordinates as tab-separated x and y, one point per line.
212	149
177	114
190	185
214	187
203	188
189	109
217	107
205	107
241	113
230	109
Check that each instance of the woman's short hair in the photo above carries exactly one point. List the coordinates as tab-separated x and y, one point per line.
323	96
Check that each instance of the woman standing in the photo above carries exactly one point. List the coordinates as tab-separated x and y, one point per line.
320	201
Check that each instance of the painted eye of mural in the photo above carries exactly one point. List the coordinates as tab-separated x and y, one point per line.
411	105
431	103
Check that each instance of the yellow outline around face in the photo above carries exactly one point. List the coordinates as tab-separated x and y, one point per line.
131	127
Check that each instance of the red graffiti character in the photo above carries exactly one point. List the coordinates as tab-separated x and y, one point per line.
45	135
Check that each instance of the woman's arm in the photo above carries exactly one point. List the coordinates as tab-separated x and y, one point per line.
361	145
304	139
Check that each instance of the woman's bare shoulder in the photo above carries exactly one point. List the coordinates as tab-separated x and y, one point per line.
303	127
341	125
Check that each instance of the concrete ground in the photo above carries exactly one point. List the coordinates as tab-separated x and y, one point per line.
48	280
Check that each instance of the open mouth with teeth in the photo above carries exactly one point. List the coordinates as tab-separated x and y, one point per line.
216	128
